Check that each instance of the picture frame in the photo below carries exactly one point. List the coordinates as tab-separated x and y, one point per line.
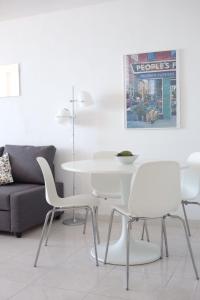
152	97
9	80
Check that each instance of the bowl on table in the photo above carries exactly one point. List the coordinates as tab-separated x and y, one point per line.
127	160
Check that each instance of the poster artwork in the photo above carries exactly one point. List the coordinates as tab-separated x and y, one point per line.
151	90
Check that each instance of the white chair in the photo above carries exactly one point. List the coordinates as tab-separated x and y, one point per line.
60	204
155	193
104	186
190	179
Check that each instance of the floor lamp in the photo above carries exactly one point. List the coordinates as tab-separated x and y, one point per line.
63	116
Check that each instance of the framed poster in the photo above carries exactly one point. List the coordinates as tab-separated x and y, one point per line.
151	90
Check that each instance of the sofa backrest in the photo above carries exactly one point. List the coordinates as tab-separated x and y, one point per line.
23	162
1	151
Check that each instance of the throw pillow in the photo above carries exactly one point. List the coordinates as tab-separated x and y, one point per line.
5	170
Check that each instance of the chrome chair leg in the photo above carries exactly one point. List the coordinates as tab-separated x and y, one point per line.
94	235
165	237
188	244
109	233
127	254
97	226
49	227
42	236
146	230
161	240
96	223
85	223
143	228
186	219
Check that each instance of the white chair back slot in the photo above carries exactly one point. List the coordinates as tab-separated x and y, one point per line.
155	189
105	185
50	188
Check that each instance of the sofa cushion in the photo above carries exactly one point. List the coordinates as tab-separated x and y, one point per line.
7	190
23	162
1	151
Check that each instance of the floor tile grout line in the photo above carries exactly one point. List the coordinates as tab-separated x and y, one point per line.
18	292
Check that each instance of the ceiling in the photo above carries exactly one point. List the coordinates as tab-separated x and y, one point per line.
11	9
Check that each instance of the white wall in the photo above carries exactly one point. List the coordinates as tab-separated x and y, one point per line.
85	47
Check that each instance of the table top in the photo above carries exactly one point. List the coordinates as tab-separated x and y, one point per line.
99	166
104	166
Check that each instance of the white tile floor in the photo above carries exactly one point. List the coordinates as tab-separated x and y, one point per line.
66	272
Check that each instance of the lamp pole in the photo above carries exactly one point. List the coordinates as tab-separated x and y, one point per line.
75	219
73	134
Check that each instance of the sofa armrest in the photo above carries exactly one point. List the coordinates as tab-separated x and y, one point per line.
28	208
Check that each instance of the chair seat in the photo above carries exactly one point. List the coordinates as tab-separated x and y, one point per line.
77	201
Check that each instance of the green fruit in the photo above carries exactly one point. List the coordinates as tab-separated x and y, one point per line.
125	153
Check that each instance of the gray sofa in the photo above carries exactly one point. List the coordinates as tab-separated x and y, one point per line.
22	203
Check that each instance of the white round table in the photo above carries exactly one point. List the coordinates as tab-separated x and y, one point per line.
141	252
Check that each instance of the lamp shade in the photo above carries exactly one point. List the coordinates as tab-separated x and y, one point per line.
62	115
84	98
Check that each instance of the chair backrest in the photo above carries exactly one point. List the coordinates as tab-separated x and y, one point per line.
105	184
50	188
193	160
155	189
190	178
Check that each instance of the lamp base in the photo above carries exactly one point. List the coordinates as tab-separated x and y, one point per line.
74	220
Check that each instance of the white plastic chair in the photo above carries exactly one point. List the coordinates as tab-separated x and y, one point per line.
190	179
155	193
60	204
104	186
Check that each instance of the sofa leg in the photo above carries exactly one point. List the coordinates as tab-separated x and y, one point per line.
18	234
